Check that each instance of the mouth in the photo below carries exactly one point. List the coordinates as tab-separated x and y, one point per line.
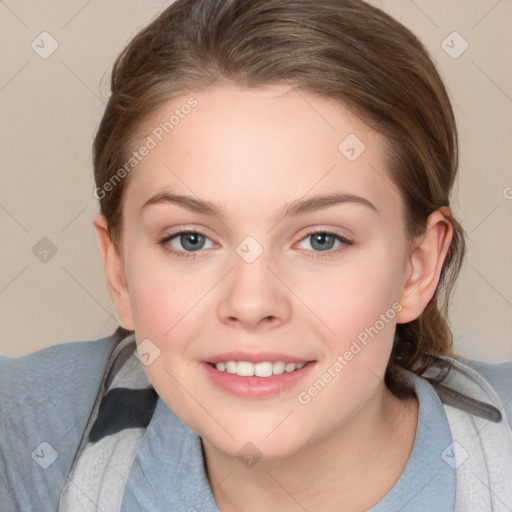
259	378
264	369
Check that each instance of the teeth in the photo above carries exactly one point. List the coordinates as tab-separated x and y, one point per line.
244	369
230	367
289	367
278	368
265	369
262	369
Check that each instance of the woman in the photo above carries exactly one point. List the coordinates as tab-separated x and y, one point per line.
274	181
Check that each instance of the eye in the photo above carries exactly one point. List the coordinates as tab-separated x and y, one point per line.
324	242
183	243
187	243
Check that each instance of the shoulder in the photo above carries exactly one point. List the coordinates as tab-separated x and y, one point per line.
45	401
499	376
53	373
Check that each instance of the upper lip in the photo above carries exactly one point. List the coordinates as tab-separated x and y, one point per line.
258	357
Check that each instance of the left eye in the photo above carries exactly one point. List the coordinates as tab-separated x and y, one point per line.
323	241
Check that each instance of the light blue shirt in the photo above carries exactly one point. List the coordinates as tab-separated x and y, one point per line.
47	397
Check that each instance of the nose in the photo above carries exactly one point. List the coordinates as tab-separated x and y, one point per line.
253	297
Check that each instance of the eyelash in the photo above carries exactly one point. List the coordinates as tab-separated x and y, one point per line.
192	255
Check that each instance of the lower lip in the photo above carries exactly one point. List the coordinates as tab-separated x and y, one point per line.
256	387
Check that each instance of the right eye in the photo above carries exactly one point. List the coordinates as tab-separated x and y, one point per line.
191	241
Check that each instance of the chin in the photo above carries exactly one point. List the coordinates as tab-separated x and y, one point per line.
253	445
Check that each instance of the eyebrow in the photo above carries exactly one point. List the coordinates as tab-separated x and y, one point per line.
293	208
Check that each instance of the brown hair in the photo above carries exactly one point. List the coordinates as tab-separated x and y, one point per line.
344	50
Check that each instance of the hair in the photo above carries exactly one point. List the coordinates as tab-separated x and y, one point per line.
345	50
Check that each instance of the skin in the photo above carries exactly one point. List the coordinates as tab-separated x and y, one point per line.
252	152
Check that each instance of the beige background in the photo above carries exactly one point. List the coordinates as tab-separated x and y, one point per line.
51	108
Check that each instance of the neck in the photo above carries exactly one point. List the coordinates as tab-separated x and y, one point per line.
332	474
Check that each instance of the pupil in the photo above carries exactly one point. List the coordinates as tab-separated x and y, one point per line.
323	240
192	241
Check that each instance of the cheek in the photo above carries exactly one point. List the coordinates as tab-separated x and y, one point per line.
161	294
164	301
352	299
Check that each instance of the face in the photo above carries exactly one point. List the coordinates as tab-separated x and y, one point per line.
236	260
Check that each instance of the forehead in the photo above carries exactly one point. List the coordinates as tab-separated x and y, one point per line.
241	147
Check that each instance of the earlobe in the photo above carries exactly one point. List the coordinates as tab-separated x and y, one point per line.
114	273
426	261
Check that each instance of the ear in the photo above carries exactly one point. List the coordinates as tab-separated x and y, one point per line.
425	263
114	272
